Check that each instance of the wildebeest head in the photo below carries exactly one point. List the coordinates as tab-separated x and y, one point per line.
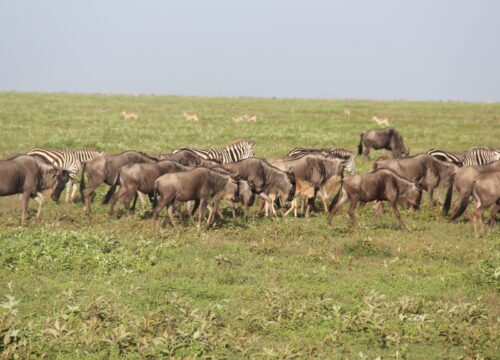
413	194
61	178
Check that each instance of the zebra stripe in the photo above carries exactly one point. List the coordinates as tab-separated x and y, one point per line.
71	160
481	156
346	156
454	157
234	152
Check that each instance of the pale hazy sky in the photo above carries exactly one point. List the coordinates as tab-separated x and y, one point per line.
425	49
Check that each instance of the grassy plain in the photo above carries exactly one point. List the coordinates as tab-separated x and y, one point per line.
278	289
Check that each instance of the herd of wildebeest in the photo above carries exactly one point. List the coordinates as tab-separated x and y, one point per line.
203	178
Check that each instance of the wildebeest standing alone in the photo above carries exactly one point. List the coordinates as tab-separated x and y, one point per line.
379	185
103	169
30	177
387	138
199	184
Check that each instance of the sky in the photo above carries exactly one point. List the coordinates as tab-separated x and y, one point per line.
415	50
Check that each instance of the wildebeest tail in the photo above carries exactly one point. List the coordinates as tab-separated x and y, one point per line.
335	199
112	189
82	182
360	145
449	195
463	204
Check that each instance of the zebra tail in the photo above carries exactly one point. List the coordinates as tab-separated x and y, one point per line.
82	182
360	145
463	204
335	199
112	189
449	195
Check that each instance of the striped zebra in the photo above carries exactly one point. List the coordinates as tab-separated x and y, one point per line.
347	156
234	152
475	156
71	160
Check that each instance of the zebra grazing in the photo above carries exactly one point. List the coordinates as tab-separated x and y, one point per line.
475	156
234	152
70	160
347	156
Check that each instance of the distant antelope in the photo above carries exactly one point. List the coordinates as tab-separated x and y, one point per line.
347	111
129	115
381	121
246	117
190	116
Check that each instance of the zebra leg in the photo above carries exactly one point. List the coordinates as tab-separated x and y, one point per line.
73	192
68	191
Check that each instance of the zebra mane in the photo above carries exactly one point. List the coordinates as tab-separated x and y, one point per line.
242	142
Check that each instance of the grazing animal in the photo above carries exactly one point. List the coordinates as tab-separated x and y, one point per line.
249	118
31	177
381	121
104	169
313	171
475	156
71	160
127	115
347	111
189	158
138	177
486	193
462	180
387	138
347	156
190	116
379	185
199	184
267	181
421	169
238	150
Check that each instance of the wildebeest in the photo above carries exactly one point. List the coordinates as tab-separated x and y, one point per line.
199	184
485	190
138	177
422	169
189	158
313	171
30	177
462	180
379	185
103	169
386	138
268	181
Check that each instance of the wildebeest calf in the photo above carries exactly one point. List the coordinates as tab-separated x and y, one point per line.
379	185
486	193
387	138
31	177
199	184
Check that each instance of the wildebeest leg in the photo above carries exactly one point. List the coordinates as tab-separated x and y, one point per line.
14	202
161	204
203	206
352	208
379	208
398	215
116	197
343	198
473	220
211	217
127	198
366	151
170	212
479	218
293	208
26	199
493	214
73	192
431	196
40	199
142	199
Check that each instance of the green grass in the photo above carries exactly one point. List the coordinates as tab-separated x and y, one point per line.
282	288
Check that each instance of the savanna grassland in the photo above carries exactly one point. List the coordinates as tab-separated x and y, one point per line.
267	288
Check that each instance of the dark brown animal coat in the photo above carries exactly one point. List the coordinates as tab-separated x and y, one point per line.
387	138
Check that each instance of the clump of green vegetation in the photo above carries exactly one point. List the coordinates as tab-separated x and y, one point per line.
280	288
